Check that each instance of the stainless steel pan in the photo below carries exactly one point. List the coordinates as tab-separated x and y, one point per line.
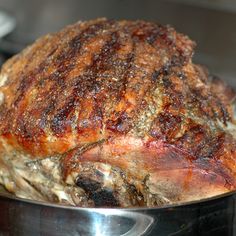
214	216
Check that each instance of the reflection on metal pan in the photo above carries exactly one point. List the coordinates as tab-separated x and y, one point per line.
215	215
7	24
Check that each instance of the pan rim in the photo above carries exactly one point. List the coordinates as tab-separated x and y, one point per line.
7	195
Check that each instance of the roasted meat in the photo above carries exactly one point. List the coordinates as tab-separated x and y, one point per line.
115	114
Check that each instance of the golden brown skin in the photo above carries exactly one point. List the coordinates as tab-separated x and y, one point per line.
125	94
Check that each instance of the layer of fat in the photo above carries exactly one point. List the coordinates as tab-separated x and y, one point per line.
3	79
37	180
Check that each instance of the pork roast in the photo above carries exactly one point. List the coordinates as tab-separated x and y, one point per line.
115	114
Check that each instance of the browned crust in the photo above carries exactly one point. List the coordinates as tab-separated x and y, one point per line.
89	77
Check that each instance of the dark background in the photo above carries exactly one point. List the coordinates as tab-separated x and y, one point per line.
211	23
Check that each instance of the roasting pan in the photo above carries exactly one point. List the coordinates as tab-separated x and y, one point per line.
212	216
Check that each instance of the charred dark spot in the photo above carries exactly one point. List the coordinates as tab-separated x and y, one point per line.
166	69
166	82
104	197
101	197
155	75
89	185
